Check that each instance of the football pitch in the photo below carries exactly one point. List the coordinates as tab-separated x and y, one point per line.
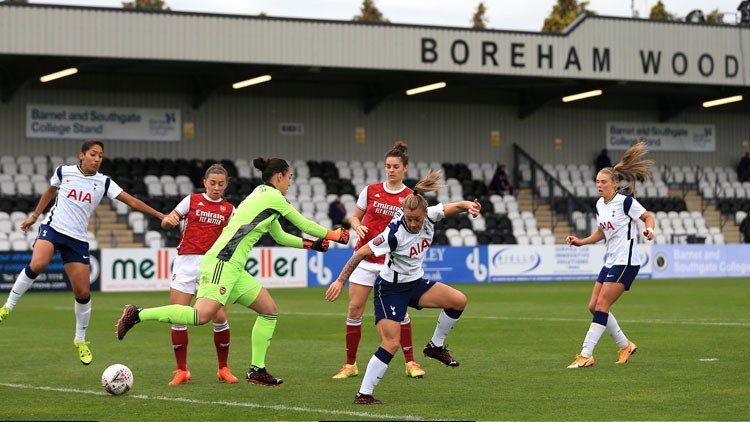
513	341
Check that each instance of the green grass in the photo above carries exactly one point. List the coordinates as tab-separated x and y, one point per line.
513	343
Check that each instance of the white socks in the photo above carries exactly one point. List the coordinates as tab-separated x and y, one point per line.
592	337
374	373
613	329
22	284
83	316
444	326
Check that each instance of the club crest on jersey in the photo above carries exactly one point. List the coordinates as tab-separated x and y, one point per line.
222	290
378	240
607	225
419	248
401	200
222	208
79	196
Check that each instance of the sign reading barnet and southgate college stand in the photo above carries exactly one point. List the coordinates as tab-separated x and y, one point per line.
661	136
106	123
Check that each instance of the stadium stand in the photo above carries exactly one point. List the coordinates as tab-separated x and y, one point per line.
691	204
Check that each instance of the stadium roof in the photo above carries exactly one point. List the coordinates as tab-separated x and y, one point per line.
183	53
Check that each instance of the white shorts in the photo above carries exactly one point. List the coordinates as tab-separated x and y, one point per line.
365	273
186	273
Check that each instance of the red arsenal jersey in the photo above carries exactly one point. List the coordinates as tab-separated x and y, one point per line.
379	205
203	223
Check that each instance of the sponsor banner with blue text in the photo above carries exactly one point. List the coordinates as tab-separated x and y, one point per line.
144	269
693	261
553	262
444	264
52	279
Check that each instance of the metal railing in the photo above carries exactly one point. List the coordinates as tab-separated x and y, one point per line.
538	171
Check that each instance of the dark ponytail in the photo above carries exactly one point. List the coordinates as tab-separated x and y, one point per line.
269	167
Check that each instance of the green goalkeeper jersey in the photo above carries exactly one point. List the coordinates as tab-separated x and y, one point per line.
258	214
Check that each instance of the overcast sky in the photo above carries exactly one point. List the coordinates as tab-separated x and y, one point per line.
502	14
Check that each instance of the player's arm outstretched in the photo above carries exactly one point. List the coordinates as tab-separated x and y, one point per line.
334	290
286	239
40	207
138	205
593	238
453	208
312	228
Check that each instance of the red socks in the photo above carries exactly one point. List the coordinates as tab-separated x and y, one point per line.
353	335
221	341
180	345
406	342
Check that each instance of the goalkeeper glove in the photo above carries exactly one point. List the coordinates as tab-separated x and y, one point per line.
339	235
320	245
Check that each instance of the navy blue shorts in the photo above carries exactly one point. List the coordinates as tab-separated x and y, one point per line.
392	300
624	274
71	250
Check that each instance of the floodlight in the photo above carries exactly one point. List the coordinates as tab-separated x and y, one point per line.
58	75
253	81
722	101
426	88
582	95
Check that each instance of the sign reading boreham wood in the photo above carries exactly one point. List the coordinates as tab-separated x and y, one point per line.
596	48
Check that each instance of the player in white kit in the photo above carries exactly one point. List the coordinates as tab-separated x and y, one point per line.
400	283
616	214
376	205
205	215
77	190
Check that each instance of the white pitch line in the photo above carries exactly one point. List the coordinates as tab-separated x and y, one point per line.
513	318
504	318
222	403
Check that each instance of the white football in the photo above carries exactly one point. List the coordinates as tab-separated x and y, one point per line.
117	379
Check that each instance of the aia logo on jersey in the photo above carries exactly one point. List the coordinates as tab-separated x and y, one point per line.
419	248
606	226
378	240
222	290
79	196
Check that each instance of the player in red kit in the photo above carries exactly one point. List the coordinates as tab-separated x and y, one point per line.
375	208
205	215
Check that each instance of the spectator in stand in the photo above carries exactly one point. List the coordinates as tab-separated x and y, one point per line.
602	161
337	214
743	168
500	183
745	229
196	174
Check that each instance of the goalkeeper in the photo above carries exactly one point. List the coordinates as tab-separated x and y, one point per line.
222	271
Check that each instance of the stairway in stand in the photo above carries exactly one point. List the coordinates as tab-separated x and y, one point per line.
712	216
544	215
111	231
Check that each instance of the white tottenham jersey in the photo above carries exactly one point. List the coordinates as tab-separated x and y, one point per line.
76	200
617	219
405	251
